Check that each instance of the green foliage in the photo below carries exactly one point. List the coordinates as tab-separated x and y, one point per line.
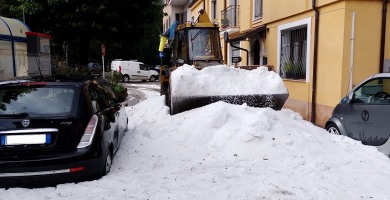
129	29
114	78
70	70
115	83
293	70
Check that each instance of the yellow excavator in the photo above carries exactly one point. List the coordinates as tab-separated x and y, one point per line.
198	44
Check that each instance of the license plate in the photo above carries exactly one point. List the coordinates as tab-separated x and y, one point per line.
26	139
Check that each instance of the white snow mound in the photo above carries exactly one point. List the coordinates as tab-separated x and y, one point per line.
211	81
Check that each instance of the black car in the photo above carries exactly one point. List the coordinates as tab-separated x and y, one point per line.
362	114
57	130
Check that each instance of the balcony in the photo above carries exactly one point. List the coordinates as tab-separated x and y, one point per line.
177	2
230	18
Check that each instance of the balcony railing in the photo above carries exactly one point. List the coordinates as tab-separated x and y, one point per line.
230	17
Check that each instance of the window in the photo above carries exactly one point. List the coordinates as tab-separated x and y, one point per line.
143	67
179	17
180	44
258	9
99	98
375	91
37	101
213	9
234	52
293	50
203	44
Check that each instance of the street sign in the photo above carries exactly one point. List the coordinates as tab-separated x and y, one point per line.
236	60
103	50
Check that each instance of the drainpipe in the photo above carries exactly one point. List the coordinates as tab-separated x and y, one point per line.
383	36
315	60
352	51
12	46
204	4
225	46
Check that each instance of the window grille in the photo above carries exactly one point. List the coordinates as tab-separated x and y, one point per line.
293	53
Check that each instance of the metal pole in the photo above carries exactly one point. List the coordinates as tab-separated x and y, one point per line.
103	67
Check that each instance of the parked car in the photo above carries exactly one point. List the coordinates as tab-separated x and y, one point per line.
363	113
95	68
157	68
133	70
56	129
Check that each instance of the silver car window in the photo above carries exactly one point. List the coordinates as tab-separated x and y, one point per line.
376	91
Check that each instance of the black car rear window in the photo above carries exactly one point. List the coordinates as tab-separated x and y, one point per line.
36	100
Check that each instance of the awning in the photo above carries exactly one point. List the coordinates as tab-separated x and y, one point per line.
250	33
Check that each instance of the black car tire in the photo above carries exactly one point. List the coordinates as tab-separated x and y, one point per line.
126	78
107	163
168	97
152	78
333	129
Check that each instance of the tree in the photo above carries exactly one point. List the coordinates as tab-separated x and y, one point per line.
128	28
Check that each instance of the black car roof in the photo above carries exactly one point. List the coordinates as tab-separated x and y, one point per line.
70	79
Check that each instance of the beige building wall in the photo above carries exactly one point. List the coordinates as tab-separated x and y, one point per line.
334	49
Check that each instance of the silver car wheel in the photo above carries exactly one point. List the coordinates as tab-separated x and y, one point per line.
333	130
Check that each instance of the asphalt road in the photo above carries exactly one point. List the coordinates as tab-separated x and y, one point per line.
136	90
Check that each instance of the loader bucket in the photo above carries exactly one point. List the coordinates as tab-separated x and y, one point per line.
190	87
274	101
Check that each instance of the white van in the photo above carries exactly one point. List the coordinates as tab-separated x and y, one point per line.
133	70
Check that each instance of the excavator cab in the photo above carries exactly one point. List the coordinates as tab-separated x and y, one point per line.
198	46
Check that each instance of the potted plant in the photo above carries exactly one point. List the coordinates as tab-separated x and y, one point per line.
293	70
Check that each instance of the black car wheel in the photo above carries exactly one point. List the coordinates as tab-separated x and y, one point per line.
108	163
126	78
152	78
333	129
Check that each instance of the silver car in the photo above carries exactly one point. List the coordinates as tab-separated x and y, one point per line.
363	113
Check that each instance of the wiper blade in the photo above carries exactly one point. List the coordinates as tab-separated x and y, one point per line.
197	34
15	115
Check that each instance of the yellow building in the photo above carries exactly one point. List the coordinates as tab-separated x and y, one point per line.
321	48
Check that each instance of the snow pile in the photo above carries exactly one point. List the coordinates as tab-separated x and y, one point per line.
224	151
223	80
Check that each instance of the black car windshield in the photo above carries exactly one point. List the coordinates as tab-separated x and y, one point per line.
36	101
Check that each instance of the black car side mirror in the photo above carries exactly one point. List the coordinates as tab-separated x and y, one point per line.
344	100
